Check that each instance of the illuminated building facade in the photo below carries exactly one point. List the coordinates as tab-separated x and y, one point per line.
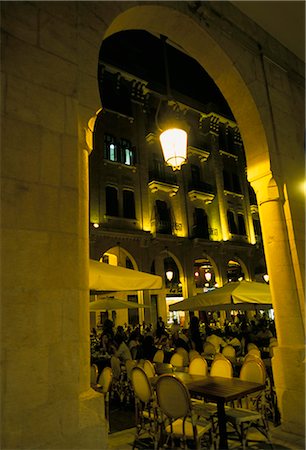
202	218
49	102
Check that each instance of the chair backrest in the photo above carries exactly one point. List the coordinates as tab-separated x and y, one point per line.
184	354
258	360
254	351
105	379
193	354
221	367
198	366
253	370
251	345
129	364
177	360
229	352
159	356
209	349
116	367
141	385
149	369
93	374
215	340
219	356
172	396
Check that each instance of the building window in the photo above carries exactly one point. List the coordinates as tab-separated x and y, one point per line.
195	174
200	227
227	180
231	182
128	204
257	227
241	225
110	148
111	199
231	222
163	218
236	183
121	152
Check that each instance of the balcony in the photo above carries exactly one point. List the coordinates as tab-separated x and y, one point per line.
162	181
201	191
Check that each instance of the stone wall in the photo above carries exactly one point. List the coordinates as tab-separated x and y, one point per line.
49	93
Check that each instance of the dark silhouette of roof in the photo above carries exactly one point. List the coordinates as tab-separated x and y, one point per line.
141	54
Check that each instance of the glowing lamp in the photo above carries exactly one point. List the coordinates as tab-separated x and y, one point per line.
169	275
266	278
196	274
207	276
174	146
95	225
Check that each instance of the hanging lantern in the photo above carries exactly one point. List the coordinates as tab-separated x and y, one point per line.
169	275
207	276
174	146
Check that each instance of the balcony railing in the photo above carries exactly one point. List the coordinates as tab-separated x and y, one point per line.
200	186
163	177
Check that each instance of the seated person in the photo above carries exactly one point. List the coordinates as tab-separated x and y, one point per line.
122	350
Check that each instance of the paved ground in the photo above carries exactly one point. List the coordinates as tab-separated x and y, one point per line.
123	440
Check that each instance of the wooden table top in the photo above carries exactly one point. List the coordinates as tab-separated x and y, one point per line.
217	388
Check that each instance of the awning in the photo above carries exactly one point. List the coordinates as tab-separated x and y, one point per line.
110	303
243	295
104	277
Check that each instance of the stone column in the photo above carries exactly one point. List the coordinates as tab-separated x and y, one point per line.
288	360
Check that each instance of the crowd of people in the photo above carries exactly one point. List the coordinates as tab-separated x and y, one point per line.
143	340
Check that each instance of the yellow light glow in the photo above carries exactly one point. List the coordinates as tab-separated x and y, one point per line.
169	275
266	278
95	225
207	276
174	146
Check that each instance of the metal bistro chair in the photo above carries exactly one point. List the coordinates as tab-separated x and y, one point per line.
120	383
182	351
230	353
149	369
198	366
221	367
253	415
159	356
175	405
177	360
103	386
208	411
93	375
193	354
145	407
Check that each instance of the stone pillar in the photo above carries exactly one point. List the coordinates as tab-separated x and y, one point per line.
288	360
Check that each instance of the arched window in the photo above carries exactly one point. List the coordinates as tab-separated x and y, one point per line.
200	224
241	225
128	204
111	200
231	222
110	148
163	217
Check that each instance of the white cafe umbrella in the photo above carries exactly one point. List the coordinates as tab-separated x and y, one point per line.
110	303
241	295
105	277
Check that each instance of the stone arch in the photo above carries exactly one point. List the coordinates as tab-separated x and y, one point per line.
180	27
119	252
242	265
216	269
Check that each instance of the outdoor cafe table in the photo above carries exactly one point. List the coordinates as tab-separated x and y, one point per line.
219	390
